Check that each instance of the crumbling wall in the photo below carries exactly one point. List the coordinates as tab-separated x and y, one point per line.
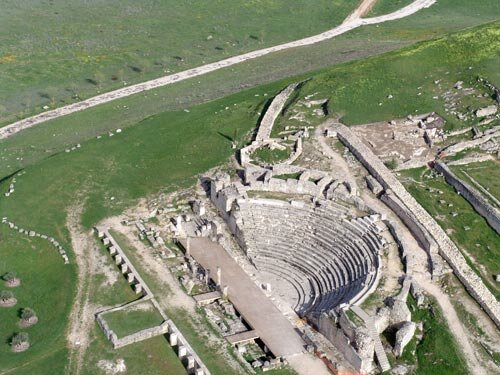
481	205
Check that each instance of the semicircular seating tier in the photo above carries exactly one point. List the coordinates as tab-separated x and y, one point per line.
313	256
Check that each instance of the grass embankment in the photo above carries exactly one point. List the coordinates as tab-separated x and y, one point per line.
47	286
468	230
73	49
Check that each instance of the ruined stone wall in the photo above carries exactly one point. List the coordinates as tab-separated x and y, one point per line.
266	125
447	249
457	147
141	335
481	205
289	186
336	336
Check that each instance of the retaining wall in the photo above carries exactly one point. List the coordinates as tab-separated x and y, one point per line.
481	205
447	249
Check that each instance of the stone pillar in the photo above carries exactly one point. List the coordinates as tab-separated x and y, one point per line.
173	339
118	259
207	276
224	291
124	268
105	241
199	371
130	277
219	276
181	351
190	363
138	288
188	246
112	250
194	269
100	234
268	287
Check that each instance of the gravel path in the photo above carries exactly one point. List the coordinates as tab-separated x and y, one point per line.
352	22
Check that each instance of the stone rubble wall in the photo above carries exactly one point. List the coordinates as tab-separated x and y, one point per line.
481	205
272	113
32	233
328	328
457	147
447	249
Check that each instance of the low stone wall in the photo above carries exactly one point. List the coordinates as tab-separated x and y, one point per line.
266	125
141	335
481	205
457	147
32	233
447	249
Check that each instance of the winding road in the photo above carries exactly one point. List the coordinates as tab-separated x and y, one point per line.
352	22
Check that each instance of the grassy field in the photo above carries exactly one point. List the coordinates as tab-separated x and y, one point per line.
134	319
387	6
468	230
55	53
42	272
486	174
149	357
445	16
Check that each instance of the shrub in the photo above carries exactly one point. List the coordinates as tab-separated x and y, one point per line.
28	314
6	295
9	276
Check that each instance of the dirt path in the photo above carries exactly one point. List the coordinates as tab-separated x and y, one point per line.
81	319
362	10
454	324
352	22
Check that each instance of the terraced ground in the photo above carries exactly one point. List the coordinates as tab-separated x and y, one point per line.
163	147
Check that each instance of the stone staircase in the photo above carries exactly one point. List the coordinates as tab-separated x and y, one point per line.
379	349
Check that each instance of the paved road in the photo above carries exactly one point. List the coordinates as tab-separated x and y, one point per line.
352	22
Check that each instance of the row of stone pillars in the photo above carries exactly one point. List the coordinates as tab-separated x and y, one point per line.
186	358
123	266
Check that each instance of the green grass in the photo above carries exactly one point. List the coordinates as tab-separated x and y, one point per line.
382	7
134	319
61	82
149	357
268	156
484	256
485	173
437	353
42	273
74	50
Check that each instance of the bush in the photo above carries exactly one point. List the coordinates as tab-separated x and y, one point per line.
9	276
6	295
20	338
28	314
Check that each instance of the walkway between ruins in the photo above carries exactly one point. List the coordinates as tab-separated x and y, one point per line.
273	328
352	22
